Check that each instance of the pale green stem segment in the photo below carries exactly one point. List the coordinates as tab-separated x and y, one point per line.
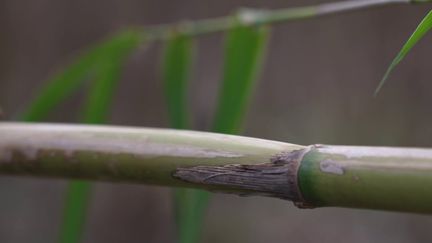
386	178
140	155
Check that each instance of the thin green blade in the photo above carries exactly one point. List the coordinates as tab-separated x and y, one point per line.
244	51
190	207
77	195
70	79
107	73
424	26
103	59
175	71
244	54
60	87
178	55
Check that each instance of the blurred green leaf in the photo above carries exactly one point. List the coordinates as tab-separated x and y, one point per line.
61	86
190	207
73	76
176	70
424	26
243	53
75	208
107	71
178	55
103	64
244	50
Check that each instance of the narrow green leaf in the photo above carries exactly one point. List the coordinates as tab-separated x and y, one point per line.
176	67
72	77
424	26
190	207
103	61
178	55
244	50
60	87
244	54
107	73
77	196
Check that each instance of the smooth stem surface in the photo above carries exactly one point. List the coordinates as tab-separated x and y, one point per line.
396	179
123	154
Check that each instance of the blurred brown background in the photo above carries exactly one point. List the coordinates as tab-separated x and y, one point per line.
316	87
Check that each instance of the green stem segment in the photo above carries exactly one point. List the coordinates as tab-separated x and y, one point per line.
397	179
383	178
141	155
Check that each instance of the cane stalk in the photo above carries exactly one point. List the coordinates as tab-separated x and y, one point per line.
385	178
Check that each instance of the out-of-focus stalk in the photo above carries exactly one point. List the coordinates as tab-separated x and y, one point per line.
249	16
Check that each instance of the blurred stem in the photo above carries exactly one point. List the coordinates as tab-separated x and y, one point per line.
248	16
383	178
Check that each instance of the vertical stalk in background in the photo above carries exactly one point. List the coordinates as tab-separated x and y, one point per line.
107	73
178	57
243	51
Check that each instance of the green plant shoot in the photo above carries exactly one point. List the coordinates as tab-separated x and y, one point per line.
424	26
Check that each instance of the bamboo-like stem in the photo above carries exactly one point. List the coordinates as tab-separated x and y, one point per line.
249	16
141	155
312	176
398	179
